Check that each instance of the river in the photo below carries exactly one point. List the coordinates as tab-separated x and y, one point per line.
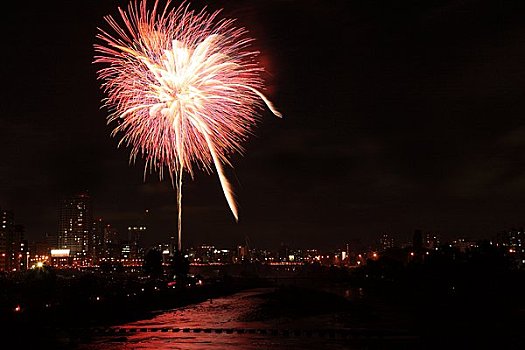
229	323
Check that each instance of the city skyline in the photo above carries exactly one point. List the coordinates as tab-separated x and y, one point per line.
396	118
84	242
85	236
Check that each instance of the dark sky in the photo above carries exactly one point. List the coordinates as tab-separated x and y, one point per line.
398	115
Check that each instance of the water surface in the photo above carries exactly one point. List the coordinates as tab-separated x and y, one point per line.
232	322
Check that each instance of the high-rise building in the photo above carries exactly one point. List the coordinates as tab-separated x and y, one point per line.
284	252
75	225
464	244
135	236
7	232
41	249
14	253
110	242
431	241
96	241
386	242
204	253
513	241
18	250
514	238
417	240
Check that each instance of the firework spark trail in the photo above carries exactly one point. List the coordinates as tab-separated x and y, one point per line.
184	87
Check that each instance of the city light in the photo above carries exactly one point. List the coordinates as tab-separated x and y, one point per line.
60	253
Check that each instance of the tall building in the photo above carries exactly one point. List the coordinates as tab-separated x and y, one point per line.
18	250
7	232
135	247
41	249
386	242
514	238
513	241
51	240
135	237
110	243
204	253
14	253
75	225
136	234
432	241
97	241
284	252
464	244
417	240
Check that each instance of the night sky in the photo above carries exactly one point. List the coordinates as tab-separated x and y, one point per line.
396	117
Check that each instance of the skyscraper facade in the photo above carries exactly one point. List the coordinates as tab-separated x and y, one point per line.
386	241
75	225
18	250
7	232
135	237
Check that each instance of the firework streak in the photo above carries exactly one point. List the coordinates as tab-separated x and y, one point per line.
183	87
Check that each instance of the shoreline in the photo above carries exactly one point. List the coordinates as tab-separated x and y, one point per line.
63	326
421	302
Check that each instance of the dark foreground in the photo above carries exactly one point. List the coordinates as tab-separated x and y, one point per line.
420	307
46	308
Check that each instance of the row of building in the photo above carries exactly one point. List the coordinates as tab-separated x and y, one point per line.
81	240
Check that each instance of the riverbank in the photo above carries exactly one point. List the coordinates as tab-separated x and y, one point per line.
58	311
459	308
280	317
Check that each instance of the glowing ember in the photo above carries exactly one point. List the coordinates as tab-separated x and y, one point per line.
184	88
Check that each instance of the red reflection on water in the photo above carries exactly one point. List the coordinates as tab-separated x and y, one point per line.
216	316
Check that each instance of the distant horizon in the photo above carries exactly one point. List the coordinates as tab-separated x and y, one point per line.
367	240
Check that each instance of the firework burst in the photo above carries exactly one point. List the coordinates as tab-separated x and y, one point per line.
183	87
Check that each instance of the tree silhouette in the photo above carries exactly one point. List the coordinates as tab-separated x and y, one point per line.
180	267
153	263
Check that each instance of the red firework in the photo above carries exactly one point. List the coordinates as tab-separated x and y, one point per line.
184	88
